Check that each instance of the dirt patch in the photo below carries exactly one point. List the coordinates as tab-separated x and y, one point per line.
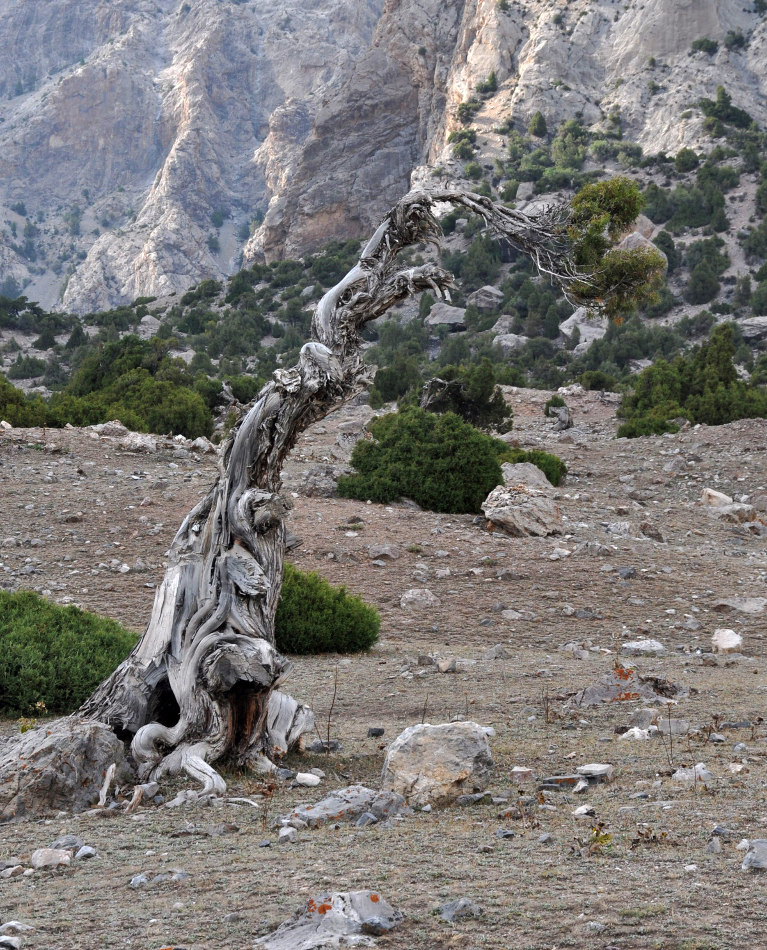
88	522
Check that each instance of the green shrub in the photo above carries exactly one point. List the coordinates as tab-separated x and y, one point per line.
705	45
552	466
314	617
703	386
556	402
54	655
537	125
440	462
596	380
686	160
473	394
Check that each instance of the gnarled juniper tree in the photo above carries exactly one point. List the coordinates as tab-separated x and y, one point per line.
202	684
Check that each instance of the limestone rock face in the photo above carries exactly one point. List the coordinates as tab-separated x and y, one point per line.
435	764
146	140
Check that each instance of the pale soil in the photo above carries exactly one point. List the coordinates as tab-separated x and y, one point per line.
534	895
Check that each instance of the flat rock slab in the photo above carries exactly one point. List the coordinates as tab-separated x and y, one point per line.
333	920
643	648
346	804
460	909
745	605
436	764
624	684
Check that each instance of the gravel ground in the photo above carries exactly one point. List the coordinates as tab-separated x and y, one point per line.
88	522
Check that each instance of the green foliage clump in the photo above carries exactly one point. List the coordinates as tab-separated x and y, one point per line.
686	160
705	45
595	380
18	409
54	655
723	111
314	617
555	402
440	462
702	386
473	394
537	126
621	279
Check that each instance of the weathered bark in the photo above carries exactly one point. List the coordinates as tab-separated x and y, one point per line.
201	683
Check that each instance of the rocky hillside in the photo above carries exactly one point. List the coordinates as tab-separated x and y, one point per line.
146	146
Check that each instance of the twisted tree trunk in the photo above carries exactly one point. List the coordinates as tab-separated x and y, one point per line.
201	683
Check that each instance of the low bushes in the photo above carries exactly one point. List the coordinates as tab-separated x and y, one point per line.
51	657
440	462
314	617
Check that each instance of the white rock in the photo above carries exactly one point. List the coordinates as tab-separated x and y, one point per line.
643	648
418	598
726	641
585	811
307	779
287	836
434	764
520	774
138	442
699	773
714	498
442	314
521	511
334	920
5	425
527	475
596	770
636	733
49	858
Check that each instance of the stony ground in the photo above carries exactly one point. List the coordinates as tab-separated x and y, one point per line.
88	522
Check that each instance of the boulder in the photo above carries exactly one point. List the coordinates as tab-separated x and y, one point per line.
745	605
58	766
753	329
638	242
435	764
509	342
333	920
486	298
527	475
114	429
589	328
138	442
715	499
643	648
735	513
443	315
756	856
521	511
203	446
624	684
418	598
50	858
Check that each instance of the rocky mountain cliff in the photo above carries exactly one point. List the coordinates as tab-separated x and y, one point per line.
148	144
